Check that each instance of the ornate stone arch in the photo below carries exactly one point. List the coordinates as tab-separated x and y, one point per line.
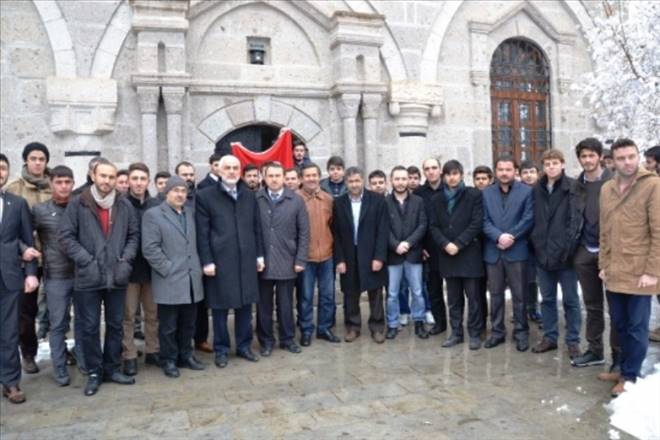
58	37
112	41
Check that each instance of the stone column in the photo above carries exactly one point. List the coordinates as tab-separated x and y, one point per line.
370	109
173	98
348	105
148	101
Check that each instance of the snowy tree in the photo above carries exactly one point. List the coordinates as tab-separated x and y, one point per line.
623	90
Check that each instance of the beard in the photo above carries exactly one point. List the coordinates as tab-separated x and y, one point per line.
190	184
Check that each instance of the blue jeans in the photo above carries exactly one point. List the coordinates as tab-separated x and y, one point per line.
630	315
404	297
413	273
548	281
323	275
59	294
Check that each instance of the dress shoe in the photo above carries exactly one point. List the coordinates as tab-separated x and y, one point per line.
137	334
290	346
13	394
475	343
191	363
130	367
573	351
609	377
493	342
391	333
204	347
328	336
221	360
378	337
522	345
83	370
152	359
619	388
247	355
453	340
266	350
93	384
61	376
119	378
306	339
545	345
351	336
70	358
420	330
29	365
170	369
437	329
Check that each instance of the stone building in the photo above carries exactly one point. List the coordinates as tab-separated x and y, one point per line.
378	82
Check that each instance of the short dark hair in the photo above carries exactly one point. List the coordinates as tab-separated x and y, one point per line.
336	161
393	170
162	175
250	167
591	144
272	164
61	171
103	161
623	143
506	158
529	164
183	163
138	166
653	152
412	169
351	171
288	170
4	159
482	169
214	158
122	172
376	174
607	153
452	165
310	165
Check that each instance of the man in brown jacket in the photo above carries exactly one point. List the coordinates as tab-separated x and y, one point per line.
630	255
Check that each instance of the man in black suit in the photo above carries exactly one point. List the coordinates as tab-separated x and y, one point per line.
361	230
15	228
214	172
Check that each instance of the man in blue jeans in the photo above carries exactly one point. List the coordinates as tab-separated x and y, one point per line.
554	237
320	268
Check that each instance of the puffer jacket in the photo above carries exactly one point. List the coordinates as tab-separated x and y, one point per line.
46	219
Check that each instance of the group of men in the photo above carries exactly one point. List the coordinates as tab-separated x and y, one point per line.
247	236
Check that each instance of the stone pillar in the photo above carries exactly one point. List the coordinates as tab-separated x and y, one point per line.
348	105
370	109
148	100
173	98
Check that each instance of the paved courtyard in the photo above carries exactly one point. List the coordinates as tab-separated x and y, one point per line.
406	388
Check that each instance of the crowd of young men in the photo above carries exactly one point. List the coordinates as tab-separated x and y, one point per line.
235	241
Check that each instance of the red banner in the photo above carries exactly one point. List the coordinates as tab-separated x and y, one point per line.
281	151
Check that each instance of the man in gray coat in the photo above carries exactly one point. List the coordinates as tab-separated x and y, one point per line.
169	245
285	227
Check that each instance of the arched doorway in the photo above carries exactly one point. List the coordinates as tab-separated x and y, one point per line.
520	100
256	137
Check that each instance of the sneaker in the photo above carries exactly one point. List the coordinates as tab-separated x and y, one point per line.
430	320
588	359
404	319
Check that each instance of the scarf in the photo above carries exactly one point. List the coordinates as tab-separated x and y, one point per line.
104	202
452	196
40	182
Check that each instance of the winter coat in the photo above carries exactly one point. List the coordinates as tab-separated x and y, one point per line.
410	226
141	270
426	192
46	219
15	228
630	234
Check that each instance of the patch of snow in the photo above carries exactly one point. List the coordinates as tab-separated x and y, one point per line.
614	434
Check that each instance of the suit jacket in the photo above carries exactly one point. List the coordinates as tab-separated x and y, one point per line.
206	182
372	239
409	226
15	227
172	253
515	217
426	192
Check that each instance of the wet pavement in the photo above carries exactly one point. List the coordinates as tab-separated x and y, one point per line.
406	388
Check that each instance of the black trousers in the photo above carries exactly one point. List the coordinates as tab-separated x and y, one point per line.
483	299
175	330
353	319
513	274
28	305
242	329
593	294
10	361
457	290
201	323
436	297
283	292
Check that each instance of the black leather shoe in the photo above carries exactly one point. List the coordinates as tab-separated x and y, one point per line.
306	339
152	359
437	329
221	360
70	358
328	336
191	363
291	347
119	378
247	355
452	340
391	333
493	342
170	369
130	367
475	343
522	345
420	330
266	350
93	384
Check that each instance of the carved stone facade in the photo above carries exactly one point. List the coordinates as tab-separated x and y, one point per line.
378	82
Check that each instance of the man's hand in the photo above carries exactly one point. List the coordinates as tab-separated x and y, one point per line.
402	248
341	268
505	241
451	249
31	283
30	254
261	266
425	255
298	268
602	275
209	270
376	265
647	281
